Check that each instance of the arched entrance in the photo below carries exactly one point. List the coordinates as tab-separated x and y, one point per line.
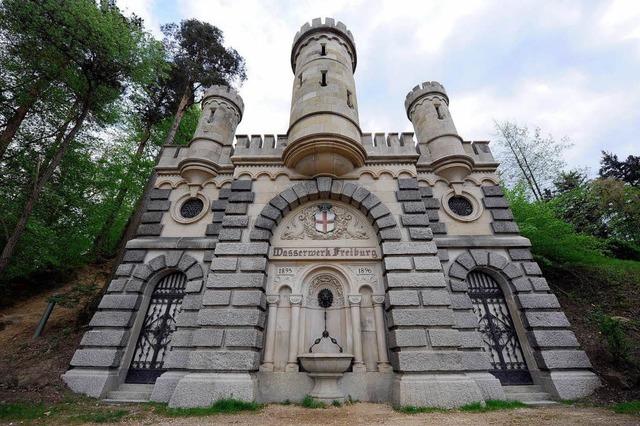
499	335
159	324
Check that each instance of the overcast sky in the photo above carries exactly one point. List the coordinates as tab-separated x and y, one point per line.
570	67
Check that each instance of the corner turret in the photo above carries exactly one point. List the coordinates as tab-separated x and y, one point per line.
211	146
427	107
324	130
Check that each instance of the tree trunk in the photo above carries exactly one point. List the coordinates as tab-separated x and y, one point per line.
531	175
14	122
510	142
40	182
101	239
182	106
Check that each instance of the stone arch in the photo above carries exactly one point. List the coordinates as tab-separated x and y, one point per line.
506	274
150	273
350	193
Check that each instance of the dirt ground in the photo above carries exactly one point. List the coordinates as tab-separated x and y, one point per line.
367	414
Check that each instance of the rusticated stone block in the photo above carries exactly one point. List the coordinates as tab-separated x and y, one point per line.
359	195
539	283
151	217
271	212
403	298
444	337
112	319
124	269
397	264
301	192
505	227
458	271
105	337
385	222
495	203
497	261
408	183
216	297
426	361
119	301
116	286
237	280
243	338
411	207
431	203
231	317
501	214
213	229
158	263
512	270
142	271
236	208
241	185
159	194
224	263
324	186
241	197
521	284
461	301
420	234
347	191
421	317
414	220
378	211
159	205
556	359
134	255
230	234
244	249
249	298
531	268
264	223
150	229
248	264
187	319
235	221
224	360
370	202
194	286
207	337
436	297
465	319
279	203
553	338
96	358
407	338
546	319
410	195
415	279
219	205
492	191
538	301
312	189
336	189
224	193
427	263
409	248
390	234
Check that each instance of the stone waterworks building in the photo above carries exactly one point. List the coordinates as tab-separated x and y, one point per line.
329	261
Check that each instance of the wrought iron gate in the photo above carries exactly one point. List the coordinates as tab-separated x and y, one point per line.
155	335
498	333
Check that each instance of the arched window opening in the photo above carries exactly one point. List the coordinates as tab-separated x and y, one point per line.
159	324
499	335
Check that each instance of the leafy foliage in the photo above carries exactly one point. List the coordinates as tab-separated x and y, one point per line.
627	171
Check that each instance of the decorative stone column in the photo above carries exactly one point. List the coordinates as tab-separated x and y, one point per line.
267	364
292	363
383	359
354	303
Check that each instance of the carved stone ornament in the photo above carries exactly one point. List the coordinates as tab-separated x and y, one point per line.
378	299
325	222
273	299
295	299
355	299
321	282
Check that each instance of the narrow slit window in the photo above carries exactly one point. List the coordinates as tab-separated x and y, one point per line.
211	114
439	111
300	79
323	82
323	49
349	100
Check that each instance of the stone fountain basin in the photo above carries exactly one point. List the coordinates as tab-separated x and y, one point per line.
325	363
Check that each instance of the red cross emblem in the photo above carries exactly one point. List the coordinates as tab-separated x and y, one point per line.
325	219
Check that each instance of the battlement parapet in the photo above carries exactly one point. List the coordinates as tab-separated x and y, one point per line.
330	25
426	88
265	148
391	146
226	92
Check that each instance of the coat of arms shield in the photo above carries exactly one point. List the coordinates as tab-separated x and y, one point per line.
325	219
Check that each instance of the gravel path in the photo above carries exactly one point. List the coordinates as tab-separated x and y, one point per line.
365	413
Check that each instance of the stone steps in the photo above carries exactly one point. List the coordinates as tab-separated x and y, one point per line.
129	392
528	394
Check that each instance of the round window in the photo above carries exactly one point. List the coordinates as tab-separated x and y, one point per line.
191	208
460	206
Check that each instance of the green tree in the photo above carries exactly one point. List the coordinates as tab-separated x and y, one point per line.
103	52
199	59
628	171
530	158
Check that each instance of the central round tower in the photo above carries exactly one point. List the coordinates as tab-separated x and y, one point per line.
324	131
